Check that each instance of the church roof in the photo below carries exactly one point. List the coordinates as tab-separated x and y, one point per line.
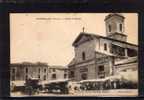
73	61
114	14
93	36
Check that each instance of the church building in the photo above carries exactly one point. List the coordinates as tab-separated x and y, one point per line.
97	56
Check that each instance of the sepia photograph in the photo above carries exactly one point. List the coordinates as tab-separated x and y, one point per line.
74	54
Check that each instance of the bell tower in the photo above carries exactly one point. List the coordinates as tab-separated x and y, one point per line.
115	26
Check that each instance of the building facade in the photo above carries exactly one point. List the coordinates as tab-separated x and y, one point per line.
23	71
42	71
96	56
57	72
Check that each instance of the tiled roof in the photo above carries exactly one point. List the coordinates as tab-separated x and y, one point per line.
93	36
28	64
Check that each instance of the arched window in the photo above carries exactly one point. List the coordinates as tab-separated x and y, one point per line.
26	70
105	46
45	70
83	55
109	28
72	74
53	76
120	27
65	75
39	70
39	76
26	77
13	71
84	76
44	77
101	68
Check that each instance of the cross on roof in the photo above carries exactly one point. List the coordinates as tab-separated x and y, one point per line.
83	29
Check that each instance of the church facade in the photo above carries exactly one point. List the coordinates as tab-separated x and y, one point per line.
98	56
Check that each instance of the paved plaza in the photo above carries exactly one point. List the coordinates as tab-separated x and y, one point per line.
99	93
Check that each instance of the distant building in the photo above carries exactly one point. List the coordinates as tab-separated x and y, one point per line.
57	72
42	71
23	71
97	56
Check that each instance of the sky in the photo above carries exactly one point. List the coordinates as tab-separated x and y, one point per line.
48	37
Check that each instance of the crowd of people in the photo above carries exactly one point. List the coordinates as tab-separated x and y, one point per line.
65	87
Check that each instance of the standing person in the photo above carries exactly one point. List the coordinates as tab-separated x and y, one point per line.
30	90
71	89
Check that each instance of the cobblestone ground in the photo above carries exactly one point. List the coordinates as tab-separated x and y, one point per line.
105	93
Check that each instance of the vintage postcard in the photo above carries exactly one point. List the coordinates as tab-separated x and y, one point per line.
73	54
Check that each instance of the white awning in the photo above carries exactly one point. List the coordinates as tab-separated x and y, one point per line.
130	75
59	80
18	83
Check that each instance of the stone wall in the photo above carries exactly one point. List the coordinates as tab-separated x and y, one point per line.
87	47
